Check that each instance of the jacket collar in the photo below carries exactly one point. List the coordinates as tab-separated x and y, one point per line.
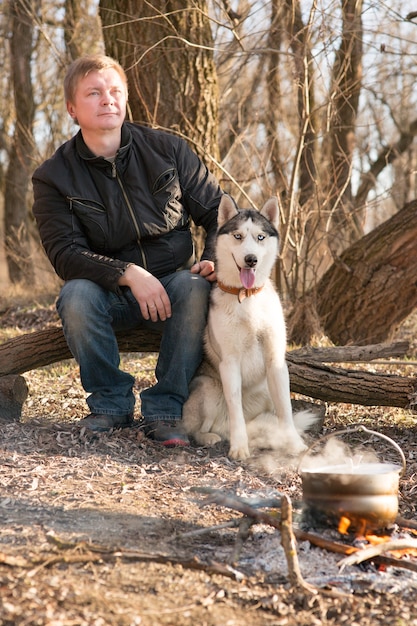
86	154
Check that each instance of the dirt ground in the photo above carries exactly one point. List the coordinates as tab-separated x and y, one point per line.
113	530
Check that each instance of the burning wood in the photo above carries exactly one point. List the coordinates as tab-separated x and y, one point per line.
398	546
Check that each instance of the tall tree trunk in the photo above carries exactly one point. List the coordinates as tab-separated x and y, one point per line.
21	155
346	86
273	86
72	21
298	195
299	34
166	48
82	29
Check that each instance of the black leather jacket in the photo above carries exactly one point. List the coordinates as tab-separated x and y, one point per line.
95	217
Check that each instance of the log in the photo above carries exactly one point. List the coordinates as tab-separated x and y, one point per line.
349	354
352	386
44	347
308	376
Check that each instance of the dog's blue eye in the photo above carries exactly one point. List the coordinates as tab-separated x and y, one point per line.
261	237
237	236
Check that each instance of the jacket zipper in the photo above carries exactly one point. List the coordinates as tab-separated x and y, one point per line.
131	212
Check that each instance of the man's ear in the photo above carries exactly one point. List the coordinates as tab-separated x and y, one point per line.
70	109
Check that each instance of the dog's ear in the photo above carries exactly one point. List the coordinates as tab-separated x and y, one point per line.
227	210
270	210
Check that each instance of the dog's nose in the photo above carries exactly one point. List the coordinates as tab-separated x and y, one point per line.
250	260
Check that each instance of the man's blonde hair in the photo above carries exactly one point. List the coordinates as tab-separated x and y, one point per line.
82	66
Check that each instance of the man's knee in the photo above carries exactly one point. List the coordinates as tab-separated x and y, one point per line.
78	299
193	288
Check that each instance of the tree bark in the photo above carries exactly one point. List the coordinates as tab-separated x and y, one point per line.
21	154
13	393
372	287
346	89
308	376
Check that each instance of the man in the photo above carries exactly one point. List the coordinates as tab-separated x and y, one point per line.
113	207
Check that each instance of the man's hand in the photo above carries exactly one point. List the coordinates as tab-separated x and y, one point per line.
149	292
206	269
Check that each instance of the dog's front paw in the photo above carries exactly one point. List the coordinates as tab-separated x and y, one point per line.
207	439
239	453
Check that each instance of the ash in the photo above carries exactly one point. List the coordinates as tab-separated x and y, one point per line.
320	568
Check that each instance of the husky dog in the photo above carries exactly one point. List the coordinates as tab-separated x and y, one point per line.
241	392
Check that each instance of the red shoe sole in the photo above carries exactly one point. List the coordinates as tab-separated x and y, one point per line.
172	443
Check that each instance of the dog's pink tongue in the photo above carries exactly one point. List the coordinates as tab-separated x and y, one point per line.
247	277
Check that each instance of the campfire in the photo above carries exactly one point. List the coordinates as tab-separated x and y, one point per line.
348	509
360	499
383	554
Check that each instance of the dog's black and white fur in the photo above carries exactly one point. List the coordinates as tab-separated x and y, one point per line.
241	392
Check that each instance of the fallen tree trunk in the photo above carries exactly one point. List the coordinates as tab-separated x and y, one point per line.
308	374
349	354
44	347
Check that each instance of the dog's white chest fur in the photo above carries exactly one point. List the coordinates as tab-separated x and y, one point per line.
245	332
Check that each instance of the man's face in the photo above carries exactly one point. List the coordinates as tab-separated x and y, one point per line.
99	101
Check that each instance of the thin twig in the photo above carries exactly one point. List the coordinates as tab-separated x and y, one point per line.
204	531
245	524
290	547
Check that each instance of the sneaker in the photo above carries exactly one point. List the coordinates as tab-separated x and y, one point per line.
169	434
103	423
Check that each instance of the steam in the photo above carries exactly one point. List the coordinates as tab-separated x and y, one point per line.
337	453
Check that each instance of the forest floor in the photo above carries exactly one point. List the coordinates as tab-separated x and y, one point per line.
111	529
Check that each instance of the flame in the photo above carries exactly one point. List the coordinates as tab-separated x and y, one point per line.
344	524
375	540
361	533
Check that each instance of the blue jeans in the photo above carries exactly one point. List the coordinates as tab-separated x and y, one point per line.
91	314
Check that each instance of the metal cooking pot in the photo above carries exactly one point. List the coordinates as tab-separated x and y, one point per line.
366	494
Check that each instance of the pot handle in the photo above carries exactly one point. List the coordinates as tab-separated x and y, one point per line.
354	430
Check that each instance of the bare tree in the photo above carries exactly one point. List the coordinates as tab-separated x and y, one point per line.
82	29
298	191
22	148
343	110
